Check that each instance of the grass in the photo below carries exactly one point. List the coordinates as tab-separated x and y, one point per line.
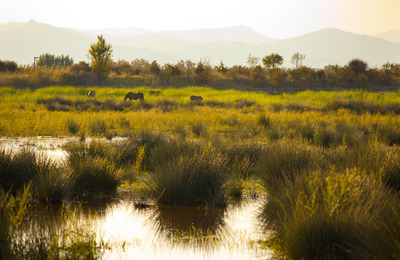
333	215
188	174
329	161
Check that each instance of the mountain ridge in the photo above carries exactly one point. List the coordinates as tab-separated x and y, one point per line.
330	46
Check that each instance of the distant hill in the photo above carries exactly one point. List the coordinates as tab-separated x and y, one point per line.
393	36
21	42
119	31
231	34
333	46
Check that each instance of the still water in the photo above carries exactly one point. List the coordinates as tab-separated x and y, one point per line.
167	232
155	232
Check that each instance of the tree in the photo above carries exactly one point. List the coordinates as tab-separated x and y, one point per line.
358	66
252	60
272	60
8	66
297	59
50	60
100	58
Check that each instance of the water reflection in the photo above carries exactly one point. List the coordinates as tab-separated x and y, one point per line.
180	219
158	232
47	147
169	232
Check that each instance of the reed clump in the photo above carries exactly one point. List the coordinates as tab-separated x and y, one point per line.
187	173
333	215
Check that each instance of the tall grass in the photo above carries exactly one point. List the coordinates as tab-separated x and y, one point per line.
187	173
13	211
282	161
92	174
17	169
331	215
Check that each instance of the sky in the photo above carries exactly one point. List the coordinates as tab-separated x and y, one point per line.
276	19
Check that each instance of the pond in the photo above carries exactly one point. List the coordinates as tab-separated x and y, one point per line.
170	232
151	232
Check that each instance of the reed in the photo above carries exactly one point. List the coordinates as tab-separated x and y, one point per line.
17	169
187	173
332	216
282	161
73	126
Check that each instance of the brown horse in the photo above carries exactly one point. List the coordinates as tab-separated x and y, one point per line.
154	93
91	93
196	98
134	96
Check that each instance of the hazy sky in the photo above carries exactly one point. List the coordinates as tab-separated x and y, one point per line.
273	18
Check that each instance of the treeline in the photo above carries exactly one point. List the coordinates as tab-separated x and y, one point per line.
61	70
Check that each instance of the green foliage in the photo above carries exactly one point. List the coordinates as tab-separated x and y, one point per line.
357	66
50	60
101	53
273	60
10	66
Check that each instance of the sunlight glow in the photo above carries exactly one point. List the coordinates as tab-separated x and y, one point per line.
273	18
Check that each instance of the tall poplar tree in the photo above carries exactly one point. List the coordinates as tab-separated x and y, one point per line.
100	58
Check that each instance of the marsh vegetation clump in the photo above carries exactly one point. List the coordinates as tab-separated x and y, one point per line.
73	126
166	105
322	214
98	127
187	173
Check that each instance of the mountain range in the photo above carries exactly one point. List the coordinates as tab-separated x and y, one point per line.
21	42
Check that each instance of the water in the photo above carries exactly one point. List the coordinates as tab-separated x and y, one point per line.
168	232
155	232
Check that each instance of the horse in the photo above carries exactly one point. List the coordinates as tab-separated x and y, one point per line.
196	98
91	93
134	96
154	93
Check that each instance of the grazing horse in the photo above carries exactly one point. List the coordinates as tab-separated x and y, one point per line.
196	98
154	93
134	96
91	93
